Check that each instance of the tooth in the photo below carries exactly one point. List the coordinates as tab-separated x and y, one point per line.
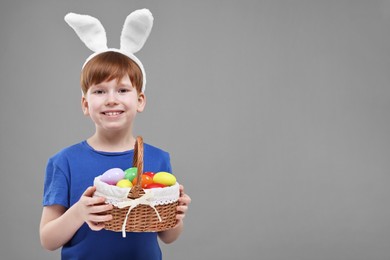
112	113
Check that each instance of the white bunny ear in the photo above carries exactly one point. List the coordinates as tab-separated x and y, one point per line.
89	29
136	30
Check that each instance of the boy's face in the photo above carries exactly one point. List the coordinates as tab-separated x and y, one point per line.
113	105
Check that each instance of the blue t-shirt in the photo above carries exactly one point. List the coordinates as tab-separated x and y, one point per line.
70	172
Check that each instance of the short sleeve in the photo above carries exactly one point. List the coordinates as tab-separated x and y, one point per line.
56	186
167	163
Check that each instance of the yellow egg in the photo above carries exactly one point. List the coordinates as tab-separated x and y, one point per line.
125	183
165	178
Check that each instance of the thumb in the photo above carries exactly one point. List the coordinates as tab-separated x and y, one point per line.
89	191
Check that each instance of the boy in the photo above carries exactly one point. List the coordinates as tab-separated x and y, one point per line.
113	84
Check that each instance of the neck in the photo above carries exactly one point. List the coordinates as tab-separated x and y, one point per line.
112	141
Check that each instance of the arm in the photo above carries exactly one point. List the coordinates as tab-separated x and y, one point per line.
58	224
170	235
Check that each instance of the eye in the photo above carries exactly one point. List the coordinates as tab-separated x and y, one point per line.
124	90
98	92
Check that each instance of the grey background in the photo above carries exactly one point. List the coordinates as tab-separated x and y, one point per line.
275	114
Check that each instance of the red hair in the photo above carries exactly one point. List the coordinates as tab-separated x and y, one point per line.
107	66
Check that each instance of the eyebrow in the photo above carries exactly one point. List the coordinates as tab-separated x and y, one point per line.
121	84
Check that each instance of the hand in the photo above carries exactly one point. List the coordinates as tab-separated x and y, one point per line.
89	208
184	201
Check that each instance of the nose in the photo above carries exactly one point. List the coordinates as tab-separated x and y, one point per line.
111	99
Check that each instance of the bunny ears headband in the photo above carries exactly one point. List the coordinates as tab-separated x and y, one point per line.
135	32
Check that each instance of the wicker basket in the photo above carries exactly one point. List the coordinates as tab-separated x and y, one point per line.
138	210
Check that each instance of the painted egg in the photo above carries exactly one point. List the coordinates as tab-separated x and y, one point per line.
112	176
165	178
145	180
154	185
124	183
151	174
131	173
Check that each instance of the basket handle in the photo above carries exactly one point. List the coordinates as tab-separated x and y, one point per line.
139	163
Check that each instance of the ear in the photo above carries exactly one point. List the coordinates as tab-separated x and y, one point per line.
84	105
89	29
136	30
141	102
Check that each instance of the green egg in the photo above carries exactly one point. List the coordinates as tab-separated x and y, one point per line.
131	173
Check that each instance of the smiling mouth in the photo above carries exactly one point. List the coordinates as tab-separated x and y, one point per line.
112	113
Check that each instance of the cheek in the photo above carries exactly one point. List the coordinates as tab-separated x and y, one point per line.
89	107
129	102
92	109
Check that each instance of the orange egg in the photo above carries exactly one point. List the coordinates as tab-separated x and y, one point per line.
145	180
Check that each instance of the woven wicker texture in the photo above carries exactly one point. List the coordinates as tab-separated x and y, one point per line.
142	218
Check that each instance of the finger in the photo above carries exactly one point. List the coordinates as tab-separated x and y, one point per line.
89	191
181	189
181	209
93	201
95	226
99	218
184	200
100	208
180	217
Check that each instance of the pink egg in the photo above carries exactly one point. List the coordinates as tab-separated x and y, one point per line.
112	176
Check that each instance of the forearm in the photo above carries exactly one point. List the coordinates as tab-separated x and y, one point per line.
56	232
170	235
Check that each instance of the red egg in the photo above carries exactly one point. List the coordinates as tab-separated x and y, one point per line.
154	185
151	174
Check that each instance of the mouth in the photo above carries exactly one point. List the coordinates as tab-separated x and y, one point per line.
112	113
